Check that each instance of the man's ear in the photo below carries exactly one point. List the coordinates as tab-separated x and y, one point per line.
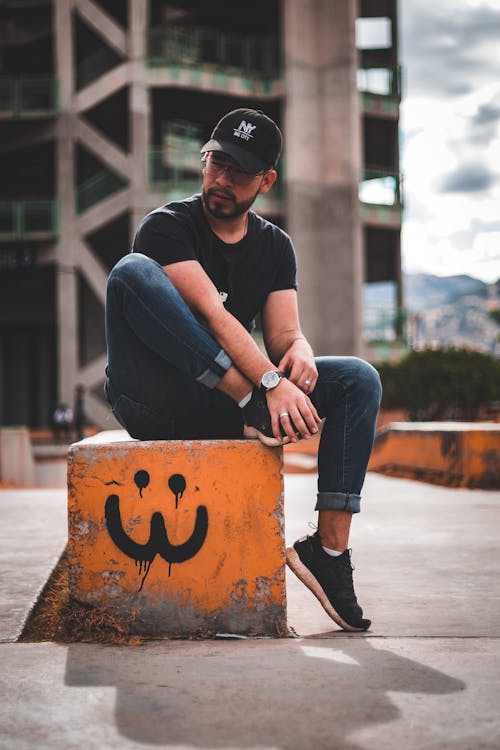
268	180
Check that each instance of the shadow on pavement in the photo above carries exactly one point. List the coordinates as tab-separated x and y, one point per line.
267	693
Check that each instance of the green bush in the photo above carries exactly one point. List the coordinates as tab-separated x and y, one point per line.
441	383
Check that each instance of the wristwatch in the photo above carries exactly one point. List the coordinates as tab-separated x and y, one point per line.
271	379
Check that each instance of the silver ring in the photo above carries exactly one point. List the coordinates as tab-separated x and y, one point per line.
284	414
307	382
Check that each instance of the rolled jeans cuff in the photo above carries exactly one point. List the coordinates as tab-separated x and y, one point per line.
338	501
214	374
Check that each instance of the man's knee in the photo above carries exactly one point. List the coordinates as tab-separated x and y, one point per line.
355	374
370	379
139	274
128	266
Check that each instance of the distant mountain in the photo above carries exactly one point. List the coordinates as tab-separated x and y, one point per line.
452	311
440	310
423	291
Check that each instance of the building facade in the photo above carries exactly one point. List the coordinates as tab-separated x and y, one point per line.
104	105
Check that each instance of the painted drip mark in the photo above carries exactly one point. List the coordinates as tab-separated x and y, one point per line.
144	566
158	542
177	485
141	478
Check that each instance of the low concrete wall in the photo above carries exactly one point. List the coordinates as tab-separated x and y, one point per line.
17	465
456	454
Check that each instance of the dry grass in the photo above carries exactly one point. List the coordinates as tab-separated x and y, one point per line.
58	617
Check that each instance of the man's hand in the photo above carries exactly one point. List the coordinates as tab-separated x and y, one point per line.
299	365
290	408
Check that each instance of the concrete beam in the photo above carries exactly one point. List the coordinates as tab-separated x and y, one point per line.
104	212
99	414
67	326
139	108
94	271
108	84
107	151
138	25
66	282
63	50
105	26
93	373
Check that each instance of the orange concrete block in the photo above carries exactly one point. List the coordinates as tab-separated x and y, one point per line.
456	454
188	535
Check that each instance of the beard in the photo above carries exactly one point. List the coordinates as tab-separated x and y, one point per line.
221	204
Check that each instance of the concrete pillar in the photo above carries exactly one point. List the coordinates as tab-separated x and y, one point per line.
140	116
66	281
323	157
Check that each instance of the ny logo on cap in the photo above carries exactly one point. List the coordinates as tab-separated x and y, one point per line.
244	130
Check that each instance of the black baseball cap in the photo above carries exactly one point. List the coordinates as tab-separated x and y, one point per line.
250	137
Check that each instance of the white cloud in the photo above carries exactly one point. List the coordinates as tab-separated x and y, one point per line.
450	122
487	245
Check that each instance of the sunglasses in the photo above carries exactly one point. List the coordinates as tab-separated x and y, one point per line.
215	166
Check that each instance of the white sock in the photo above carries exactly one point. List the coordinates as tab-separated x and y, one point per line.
244	401
332	552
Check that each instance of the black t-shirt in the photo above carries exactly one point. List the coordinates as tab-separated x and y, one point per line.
247	271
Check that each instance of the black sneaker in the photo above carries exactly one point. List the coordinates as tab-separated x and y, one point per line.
330	580
258	420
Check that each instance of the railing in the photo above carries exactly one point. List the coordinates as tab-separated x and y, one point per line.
381	323
176	179
28	97
25	219
196	45
97	188
183	129
181	144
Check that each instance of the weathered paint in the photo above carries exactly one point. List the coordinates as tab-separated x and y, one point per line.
187	534
456	454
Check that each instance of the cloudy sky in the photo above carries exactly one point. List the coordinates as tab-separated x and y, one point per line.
450	136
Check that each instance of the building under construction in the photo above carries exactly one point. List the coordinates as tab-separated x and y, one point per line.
104	105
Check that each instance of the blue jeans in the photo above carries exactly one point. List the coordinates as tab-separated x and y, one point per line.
164	366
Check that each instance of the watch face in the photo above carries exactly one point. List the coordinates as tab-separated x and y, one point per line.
270	379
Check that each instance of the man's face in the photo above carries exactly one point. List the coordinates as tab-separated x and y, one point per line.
227	190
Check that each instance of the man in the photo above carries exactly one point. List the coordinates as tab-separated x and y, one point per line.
182	362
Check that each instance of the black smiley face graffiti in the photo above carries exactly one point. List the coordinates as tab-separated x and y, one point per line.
158	542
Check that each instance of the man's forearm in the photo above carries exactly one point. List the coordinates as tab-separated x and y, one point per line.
239	346
278	346
290	398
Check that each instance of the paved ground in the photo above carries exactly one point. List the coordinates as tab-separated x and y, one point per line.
427	676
